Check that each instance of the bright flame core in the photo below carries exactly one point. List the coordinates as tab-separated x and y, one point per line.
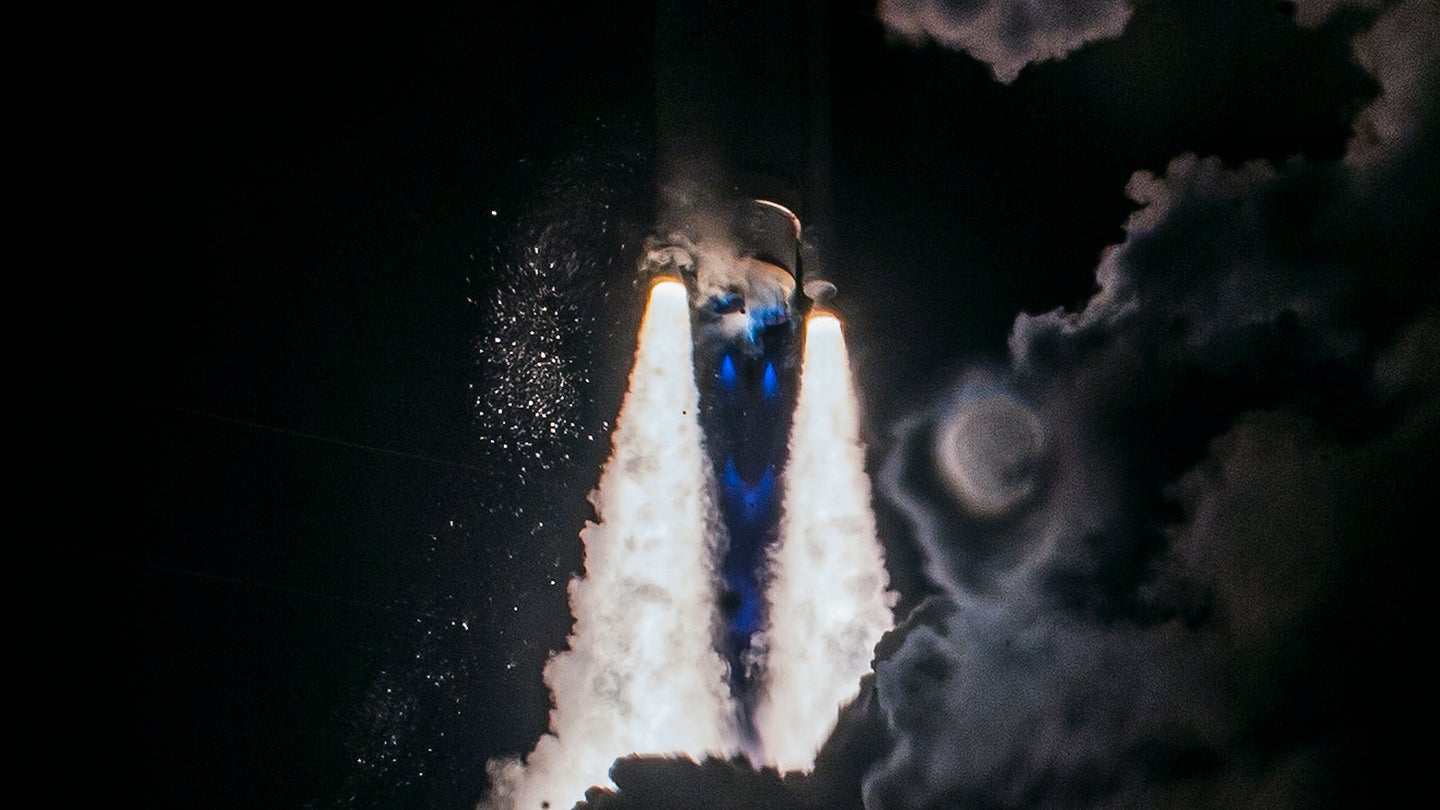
829	602
641	674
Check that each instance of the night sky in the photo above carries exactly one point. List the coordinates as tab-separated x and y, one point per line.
300	492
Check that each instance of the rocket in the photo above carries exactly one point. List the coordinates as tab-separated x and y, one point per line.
742	152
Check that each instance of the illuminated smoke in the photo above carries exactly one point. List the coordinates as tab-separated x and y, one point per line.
828	590
1007	35
641	674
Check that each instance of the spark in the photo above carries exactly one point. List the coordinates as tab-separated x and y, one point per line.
641	673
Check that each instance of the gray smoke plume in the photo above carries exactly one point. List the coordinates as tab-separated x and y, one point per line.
1007	35
1166	537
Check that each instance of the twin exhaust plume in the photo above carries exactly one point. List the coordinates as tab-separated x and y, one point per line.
642	673
828	602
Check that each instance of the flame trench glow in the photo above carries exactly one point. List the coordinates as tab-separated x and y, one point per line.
641	674
828	595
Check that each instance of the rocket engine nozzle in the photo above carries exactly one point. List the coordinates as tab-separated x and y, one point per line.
771	232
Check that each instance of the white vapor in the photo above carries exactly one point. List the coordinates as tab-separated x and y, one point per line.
641	674
828	594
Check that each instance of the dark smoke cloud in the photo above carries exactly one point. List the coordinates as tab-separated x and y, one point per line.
1316	12
1192	612
681	784
1007	35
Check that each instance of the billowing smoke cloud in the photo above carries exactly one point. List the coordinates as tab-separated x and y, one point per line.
1316	12
1007	35
1402	51
1166	537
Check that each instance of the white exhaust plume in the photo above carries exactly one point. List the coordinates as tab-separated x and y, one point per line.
828	595
641	674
